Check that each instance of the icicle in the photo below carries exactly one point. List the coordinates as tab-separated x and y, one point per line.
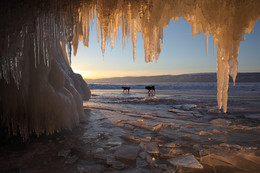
112	36
124	34
38	39
92	15
214	46
225	85
222	78
103	40
119	28
97	30
233	64
220	75
134	37
206	42
35	50
43	52
87	32
233	61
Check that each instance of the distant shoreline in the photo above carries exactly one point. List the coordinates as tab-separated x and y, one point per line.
194	77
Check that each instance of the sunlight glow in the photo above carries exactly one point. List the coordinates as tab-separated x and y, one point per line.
86	74
98	74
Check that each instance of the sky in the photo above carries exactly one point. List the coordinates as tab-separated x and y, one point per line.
181	54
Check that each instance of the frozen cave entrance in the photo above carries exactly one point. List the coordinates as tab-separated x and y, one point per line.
39	91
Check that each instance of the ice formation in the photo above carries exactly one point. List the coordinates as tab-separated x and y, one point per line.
37	36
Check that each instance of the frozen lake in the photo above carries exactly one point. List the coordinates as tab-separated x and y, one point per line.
185	116
179	129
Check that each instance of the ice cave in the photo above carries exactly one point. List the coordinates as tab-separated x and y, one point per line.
39	92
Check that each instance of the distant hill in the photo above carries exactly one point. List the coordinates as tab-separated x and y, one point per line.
196	77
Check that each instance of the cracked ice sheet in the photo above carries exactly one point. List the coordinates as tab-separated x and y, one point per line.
185	126
188	137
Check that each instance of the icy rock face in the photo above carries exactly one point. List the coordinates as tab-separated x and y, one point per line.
37	37
48	98
39	91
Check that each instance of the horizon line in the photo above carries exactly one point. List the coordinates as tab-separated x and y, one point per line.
157	75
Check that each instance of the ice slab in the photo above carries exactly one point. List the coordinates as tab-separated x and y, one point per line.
152	148
186	161
127	152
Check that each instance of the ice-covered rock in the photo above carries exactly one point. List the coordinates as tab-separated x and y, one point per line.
246	161
216	131
186	137
171	145
236	146
197	114
162	166
186	161
100	150
152	148
214	110
140	123
127	152
118	165
176	111
128	126
157	128
181	112
147	116
220	122
205	133
114	143
197	147
172	152
140	163
151	160
188	106
186	114
177	106
142	155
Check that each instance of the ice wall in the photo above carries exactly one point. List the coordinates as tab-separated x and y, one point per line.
39	91
37	39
